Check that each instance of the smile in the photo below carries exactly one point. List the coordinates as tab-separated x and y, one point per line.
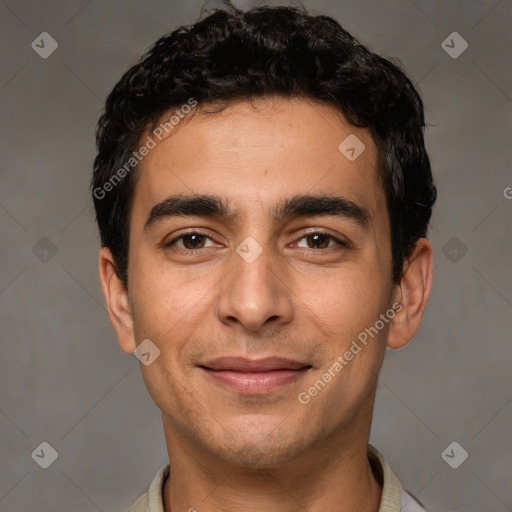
254	377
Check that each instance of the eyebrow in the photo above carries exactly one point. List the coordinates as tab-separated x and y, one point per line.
204	205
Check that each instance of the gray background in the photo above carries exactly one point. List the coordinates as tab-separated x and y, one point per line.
63	378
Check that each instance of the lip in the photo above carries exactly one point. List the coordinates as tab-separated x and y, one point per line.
244	364
254	376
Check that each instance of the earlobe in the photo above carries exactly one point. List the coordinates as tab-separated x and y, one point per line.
116	298
412	293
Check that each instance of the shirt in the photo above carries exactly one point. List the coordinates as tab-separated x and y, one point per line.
393	499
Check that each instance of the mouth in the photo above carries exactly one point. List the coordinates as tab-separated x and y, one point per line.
254	377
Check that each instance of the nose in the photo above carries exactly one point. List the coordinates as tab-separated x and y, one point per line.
254	294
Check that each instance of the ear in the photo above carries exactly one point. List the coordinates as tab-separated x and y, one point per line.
412	293
118	304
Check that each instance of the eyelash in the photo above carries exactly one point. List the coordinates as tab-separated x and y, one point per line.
201	233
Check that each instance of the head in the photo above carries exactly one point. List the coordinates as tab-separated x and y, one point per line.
262	189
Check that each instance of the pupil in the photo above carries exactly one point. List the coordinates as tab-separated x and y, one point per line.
318	240
192	241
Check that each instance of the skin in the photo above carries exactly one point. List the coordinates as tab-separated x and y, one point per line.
230	451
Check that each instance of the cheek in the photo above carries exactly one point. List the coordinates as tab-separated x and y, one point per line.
171	312
347	294
346	305
169	315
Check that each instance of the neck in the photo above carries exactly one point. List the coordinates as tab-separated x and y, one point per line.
333	475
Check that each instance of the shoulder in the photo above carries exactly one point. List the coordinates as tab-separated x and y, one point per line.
411	504
394	498
152	501
141	505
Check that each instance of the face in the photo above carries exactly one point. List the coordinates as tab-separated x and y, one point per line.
251	290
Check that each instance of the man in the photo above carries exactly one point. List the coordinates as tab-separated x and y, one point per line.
263	194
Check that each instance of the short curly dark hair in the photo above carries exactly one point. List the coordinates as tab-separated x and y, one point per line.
232	55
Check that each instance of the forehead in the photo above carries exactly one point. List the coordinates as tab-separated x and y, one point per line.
262	151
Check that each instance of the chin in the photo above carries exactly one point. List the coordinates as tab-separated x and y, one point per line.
262	450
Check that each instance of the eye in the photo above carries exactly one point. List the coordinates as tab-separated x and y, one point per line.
194	240
190	241
320	240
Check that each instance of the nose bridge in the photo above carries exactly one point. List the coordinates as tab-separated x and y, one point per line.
253	293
